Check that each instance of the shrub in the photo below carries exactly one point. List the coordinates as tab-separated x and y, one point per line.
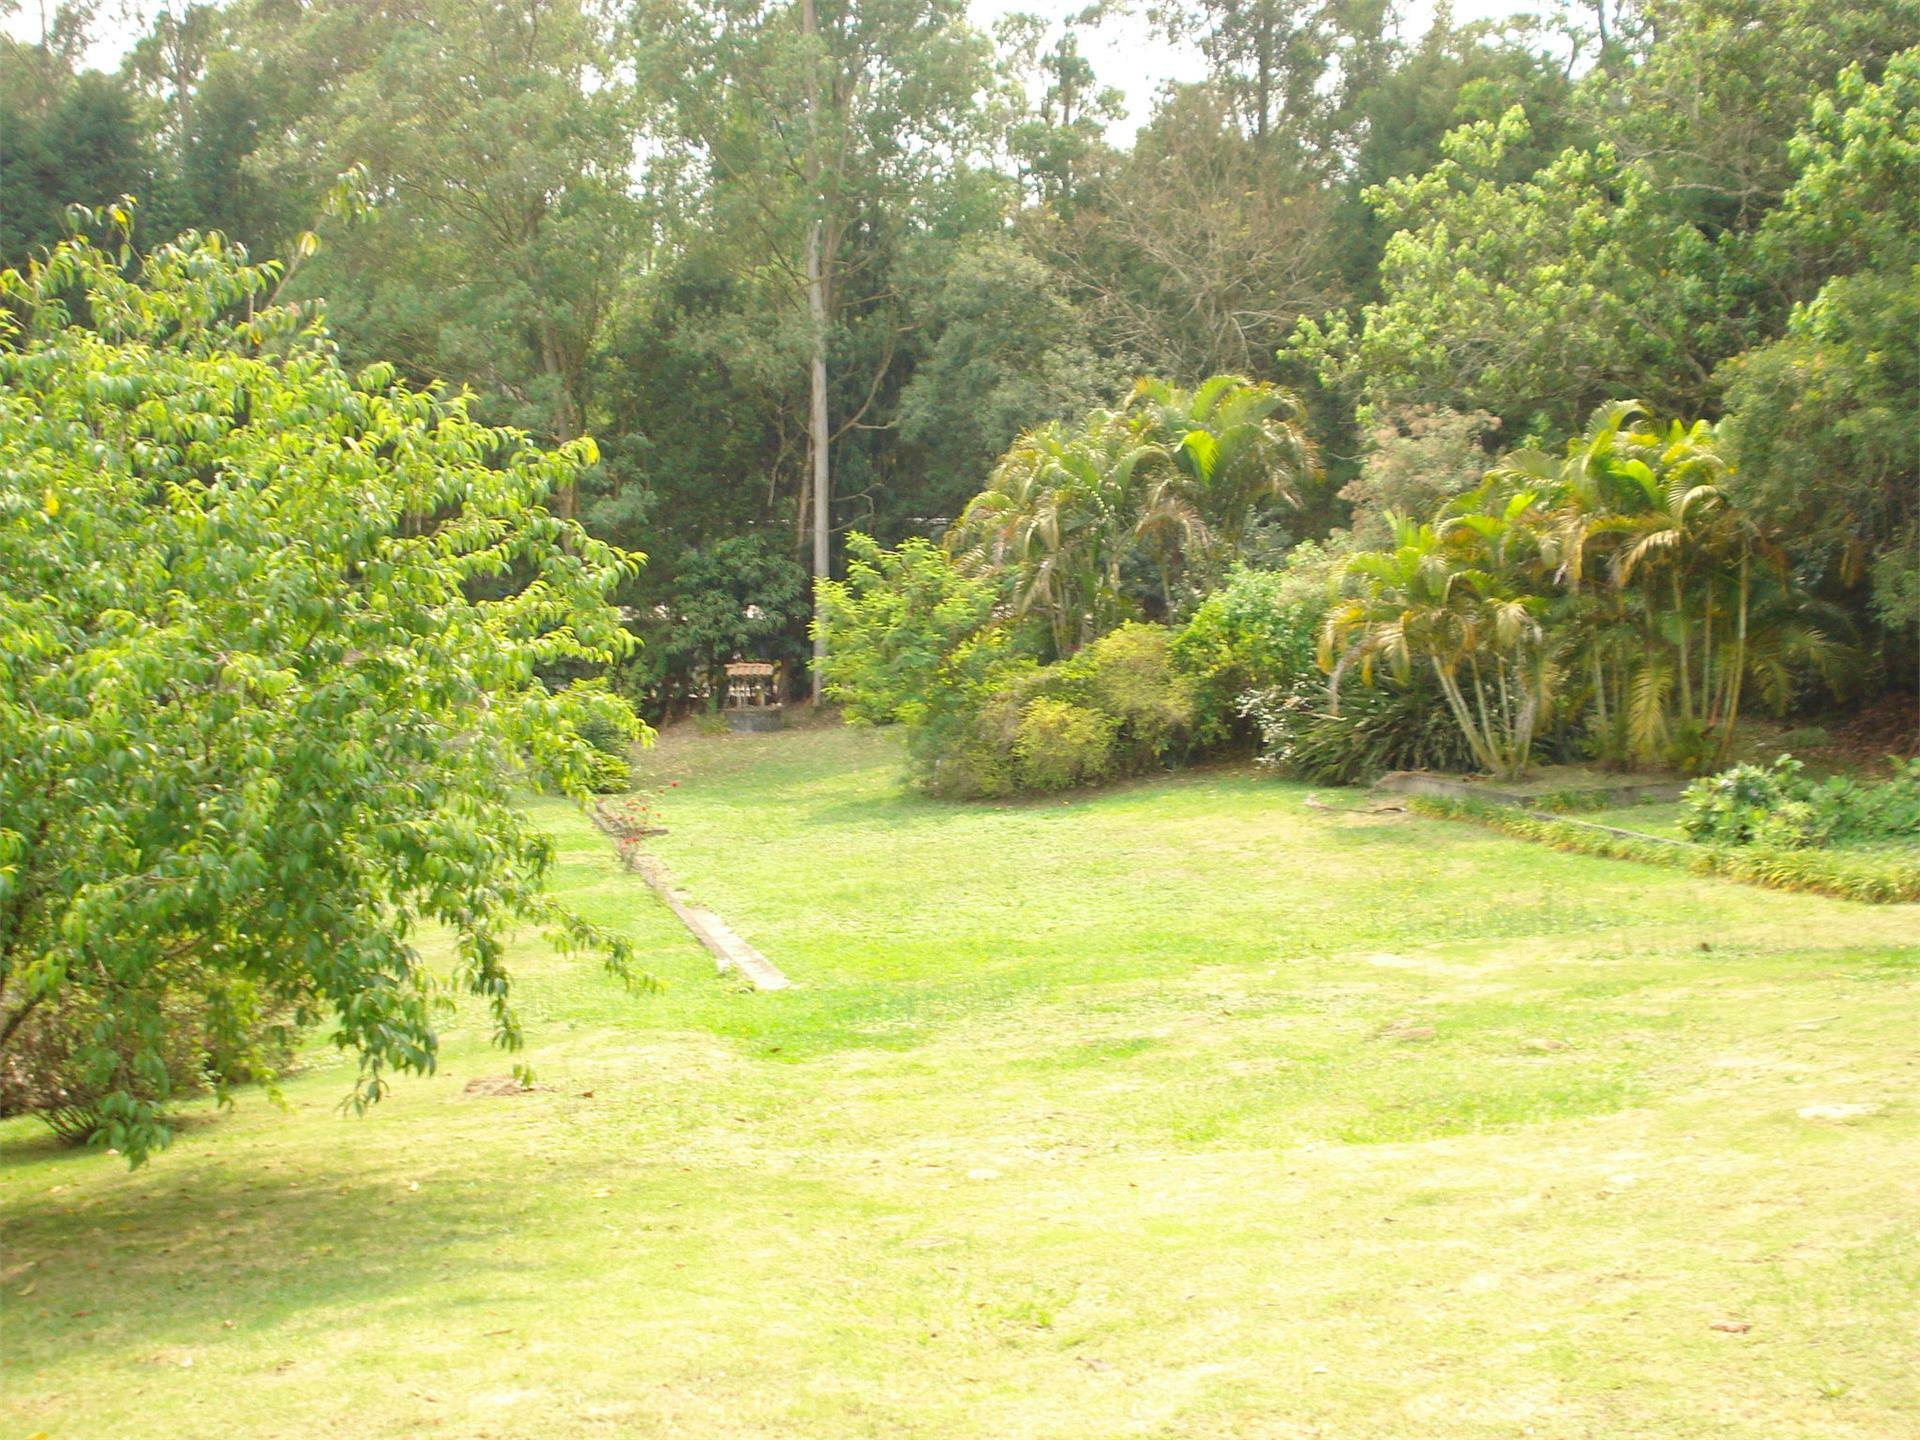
1847	810
1750	804
1059	745
1257	632
1129	677
1875	879
609	726
1005	723
962	748
907	634
1382	727
1778	807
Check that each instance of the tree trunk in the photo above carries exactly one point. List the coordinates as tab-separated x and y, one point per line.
818	436
566	412
1686	677
1476	742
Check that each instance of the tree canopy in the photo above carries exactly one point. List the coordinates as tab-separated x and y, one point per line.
807	266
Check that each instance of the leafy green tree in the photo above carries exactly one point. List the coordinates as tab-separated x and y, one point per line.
1062	111
737	598
497	144
1535	299
224	84
909	629
1707	96
259	729
1290	69
1008	350
1453	76
67	137
817	132
1822	418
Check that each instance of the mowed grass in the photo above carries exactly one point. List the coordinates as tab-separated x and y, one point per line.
1181	1110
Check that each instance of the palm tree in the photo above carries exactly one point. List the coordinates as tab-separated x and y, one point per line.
1458	597
1055	519
1666	638
1237	444
1070	515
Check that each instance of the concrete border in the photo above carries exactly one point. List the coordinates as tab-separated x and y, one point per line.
1449	787
720	939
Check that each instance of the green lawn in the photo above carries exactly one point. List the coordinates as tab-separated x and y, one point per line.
1176	1111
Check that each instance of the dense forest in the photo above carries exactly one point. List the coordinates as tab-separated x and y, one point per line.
807	269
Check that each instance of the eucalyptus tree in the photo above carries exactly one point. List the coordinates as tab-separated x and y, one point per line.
819	133
1292	70
68	136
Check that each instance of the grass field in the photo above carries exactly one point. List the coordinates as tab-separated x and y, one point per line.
1176	1111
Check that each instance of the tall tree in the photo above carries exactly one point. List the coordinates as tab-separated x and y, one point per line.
497	147
259	729
67	136
1291	70
822	131
1822	421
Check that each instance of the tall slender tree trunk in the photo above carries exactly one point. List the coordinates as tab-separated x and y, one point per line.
818	437
567	422
1686	627
1477	743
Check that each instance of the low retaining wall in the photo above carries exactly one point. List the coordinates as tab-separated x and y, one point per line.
1452	787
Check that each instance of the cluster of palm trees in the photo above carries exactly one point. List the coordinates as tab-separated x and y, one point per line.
1620	585
1119	515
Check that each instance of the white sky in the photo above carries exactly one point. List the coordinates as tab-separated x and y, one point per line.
1124	51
